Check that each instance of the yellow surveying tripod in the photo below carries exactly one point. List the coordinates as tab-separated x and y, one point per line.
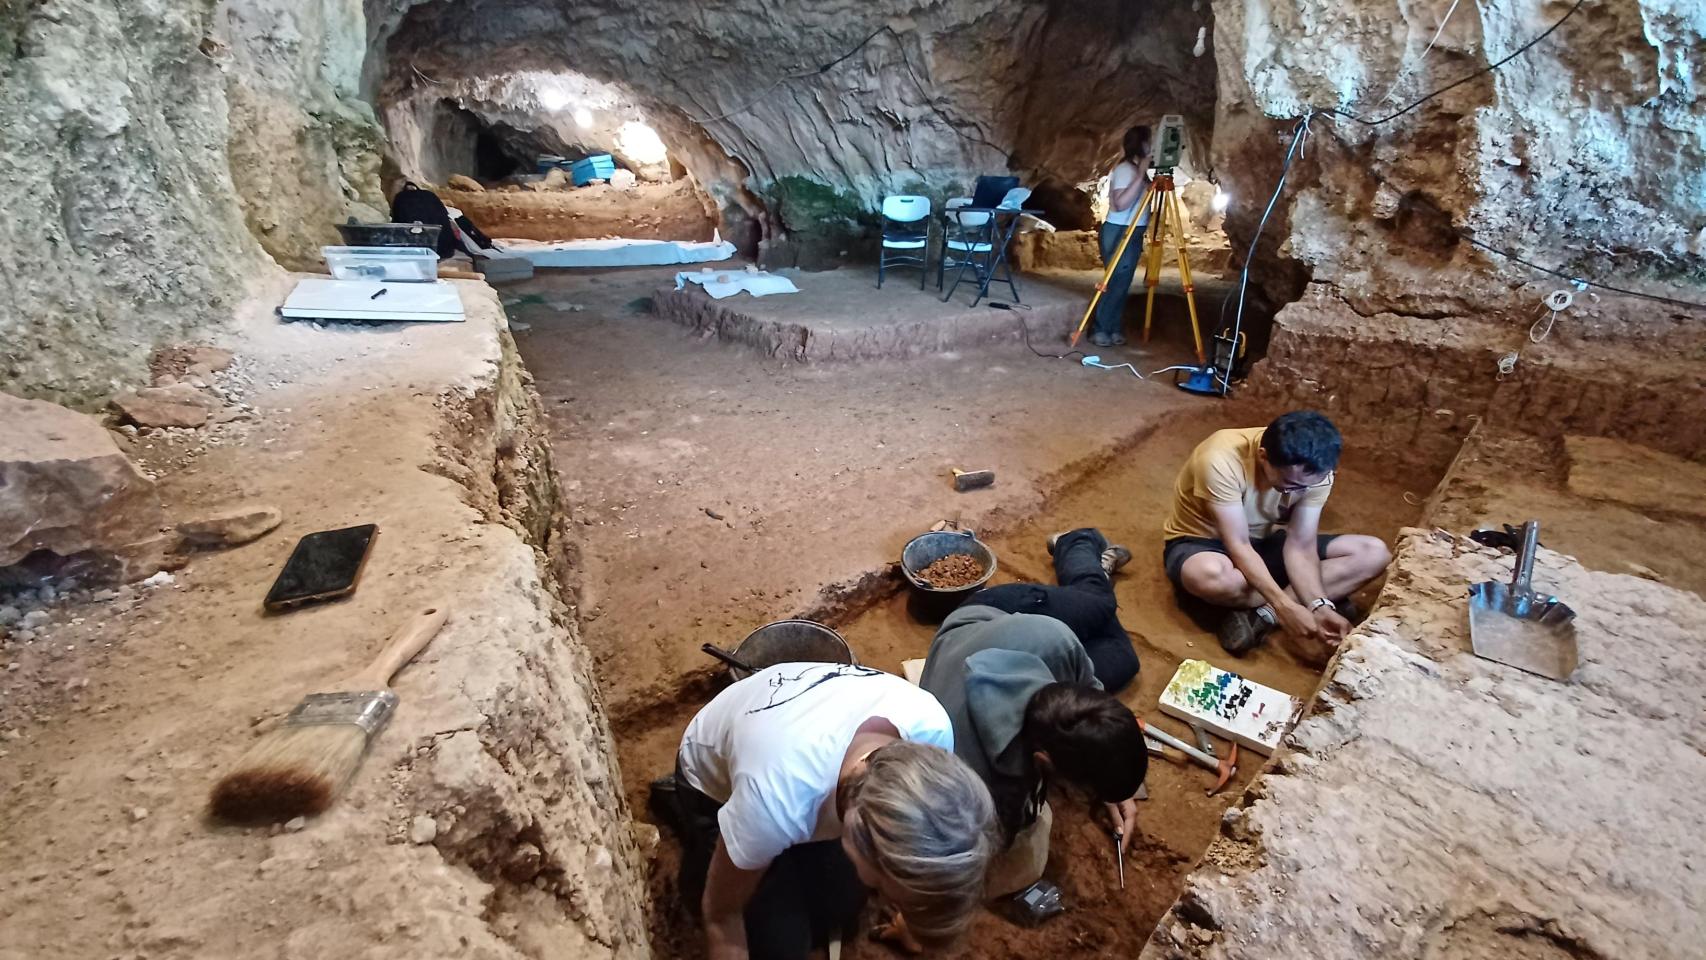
1165	216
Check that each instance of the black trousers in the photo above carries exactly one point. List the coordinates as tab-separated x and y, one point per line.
1084	601
810	895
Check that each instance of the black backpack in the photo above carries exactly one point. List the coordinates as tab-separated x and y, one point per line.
414	205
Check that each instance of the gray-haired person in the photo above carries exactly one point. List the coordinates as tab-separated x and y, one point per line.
801	787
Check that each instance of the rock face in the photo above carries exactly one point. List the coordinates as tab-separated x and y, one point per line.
1436	805
141	137
525	114
1574	156
67	490
304	147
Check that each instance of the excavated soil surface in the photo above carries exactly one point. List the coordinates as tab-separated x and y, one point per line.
759	489
645	211
840	315
485	819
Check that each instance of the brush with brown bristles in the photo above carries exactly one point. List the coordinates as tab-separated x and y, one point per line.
297	768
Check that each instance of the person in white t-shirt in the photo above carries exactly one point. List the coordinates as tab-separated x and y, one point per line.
1126	186
805	784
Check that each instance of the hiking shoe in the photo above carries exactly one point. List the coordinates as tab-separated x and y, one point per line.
1118	339
1101	340
1242	631
1114	558
1054	538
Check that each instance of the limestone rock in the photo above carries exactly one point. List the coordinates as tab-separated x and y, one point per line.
178	405
264	120
623	179
459	182
422	829
558	179
66	489
229	528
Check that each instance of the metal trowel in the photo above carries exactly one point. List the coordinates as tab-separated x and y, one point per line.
1511	624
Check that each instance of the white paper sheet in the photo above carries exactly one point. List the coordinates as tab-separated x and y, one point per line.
727	283
618	253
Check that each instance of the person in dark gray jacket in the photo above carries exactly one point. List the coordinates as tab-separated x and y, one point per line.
1025	705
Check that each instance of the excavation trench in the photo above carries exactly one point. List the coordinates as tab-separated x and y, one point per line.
1122	488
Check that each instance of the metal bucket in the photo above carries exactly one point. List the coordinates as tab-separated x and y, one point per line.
928	548
791	641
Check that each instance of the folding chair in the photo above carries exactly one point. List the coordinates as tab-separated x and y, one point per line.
906	235
972	238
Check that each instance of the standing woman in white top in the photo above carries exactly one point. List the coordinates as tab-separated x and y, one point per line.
1125	188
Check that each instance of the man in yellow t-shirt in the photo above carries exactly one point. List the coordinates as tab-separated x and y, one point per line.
1244	534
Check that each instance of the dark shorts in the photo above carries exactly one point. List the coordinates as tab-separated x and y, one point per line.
1270	549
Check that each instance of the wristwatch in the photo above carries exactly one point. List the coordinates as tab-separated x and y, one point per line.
1322	602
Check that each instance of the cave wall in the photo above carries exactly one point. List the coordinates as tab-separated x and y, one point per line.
807	114
430	139
294	92
1584	152
532	112
148	144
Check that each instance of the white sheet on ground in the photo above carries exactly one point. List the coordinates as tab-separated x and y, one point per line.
619	252
727	283
322	298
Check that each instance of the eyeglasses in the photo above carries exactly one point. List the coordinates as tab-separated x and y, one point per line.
1289	488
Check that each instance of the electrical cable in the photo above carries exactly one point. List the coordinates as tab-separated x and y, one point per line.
1656	298
1405	72
1519	51
798	75
1244	275
1026	331
1096	361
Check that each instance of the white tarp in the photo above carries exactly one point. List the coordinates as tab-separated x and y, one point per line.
727	283
619	252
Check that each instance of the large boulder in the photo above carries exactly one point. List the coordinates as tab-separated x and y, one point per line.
68	491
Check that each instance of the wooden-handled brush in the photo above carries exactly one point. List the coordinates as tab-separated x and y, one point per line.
299	767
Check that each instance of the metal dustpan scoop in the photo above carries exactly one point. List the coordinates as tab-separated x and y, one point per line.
1509	623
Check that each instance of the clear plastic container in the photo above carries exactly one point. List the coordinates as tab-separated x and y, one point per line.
418	264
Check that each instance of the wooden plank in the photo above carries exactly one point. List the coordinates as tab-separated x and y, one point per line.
1228	705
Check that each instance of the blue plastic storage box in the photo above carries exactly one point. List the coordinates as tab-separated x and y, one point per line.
599	166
